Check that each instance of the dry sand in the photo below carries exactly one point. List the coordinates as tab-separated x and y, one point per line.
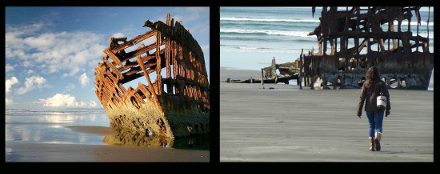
46	152
286	124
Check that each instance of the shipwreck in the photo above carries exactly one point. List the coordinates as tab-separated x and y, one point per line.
404	59
175	105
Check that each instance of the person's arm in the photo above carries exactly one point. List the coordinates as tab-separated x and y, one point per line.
387	94
361	100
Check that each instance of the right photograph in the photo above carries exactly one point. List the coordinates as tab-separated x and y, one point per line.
327	84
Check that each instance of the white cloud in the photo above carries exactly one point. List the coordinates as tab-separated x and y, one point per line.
28	72
116	35
32	83
27	63
9	68
8	101
10	82
70	86
93	104
8	85
65	100
83	80
53	51
195	17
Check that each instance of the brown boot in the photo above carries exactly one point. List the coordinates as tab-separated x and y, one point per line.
377	138
371	144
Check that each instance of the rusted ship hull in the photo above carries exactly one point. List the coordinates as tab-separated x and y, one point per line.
175	105
404	60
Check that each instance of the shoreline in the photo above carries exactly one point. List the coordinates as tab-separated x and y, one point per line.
46	152
241	74
244	74
76	152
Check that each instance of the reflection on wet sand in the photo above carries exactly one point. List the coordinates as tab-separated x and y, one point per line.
147	139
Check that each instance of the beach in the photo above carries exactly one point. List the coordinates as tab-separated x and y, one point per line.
286	124
84	136
42	152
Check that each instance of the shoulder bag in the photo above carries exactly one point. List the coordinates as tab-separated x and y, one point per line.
381	100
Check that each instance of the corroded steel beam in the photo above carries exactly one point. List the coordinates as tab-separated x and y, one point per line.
179	109
393	49
401	57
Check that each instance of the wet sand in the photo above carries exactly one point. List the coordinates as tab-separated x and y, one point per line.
48	152
286	124
104	153
238	74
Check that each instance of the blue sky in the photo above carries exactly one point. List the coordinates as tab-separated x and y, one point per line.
51	52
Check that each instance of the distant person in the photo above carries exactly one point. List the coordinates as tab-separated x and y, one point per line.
371	88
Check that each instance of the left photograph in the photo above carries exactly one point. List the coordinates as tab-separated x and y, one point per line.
107	84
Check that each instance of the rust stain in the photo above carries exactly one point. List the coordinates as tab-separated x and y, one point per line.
165	106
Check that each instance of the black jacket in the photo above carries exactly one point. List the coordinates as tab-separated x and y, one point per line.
370	96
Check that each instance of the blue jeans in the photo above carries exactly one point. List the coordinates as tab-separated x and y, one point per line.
375	119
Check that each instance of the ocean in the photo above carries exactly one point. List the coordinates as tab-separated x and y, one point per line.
52	126
251	36
69	126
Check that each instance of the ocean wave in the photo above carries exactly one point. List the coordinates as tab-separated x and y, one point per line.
260	50
268	32
268	20
413	23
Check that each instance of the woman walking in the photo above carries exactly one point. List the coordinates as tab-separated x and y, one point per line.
372	88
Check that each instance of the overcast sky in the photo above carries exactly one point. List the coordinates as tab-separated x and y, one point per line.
51	52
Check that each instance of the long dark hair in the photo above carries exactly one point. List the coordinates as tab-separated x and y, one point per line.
372	76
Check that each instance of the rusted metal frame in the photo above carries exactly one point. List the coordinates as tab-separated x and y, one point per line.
133	41
378	44
140	50
179	34
100	96
187	82
112	67
168	61
181	71
113	57
136	69
103	94
106	95
200	101
135	76
112	79
167	58
190	65
132	93
176	67
147	76
121	47
130	64
146	90
174	60
132	73
109	91
159	87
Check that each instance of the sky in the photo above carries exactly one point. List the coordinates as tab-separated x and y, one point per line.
51	52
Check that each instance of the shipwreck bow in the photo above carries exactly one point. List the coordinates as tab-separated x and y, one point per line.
170	106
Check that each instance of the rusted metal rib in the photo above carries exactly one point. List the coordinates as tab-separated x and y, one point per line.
343	67
179	109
